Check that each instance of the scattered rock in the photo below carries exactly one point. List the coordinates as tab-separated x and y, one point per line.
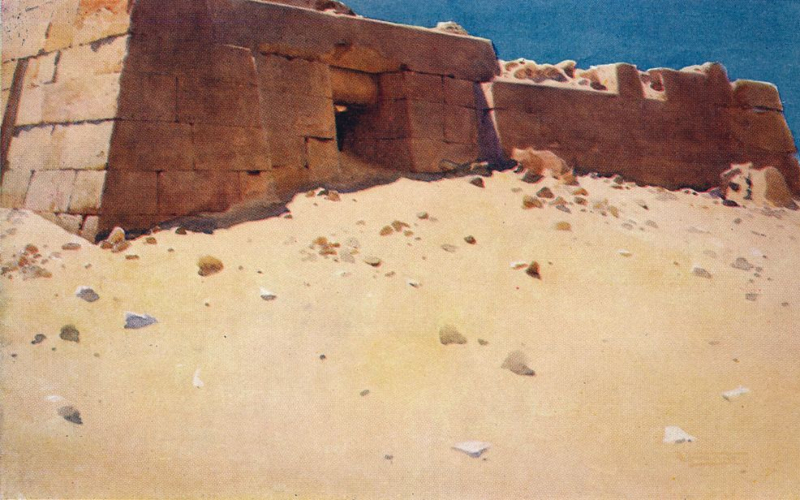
450	27
422	215
650	223
196	379
729	203
209	265
180	230
531	202
613	211
38	338
399	225
563	226
449	248
150	240
413	283
472	448
372	261
470	239
71	246
86	293
121	246
386	231
519	265
742	263
477	181
483	342
676	435
666	196
267	295
735	393
533	270
135	321
625	253
449	335
70	414
333	196
642	204
752	297
516	362
347	257
531	177
618	179
364	392
776	190
580	192
117	235
545	192
132	257
700	272
563	208
70	333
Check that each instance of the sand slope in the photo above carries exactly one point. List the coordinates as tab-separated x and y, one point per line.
622	346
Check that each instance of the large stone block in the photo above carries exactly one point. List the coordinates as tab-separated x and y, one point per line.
387	120
460	125
61	29
14	187
293	76
409	85
85	60
40	70
32	149
91	98
259	185
305	116
183	193
750	94
151	146
148	96
24	28
100	19
130	193
323	159
82	146
217	102
87	193
90	227
435	156
50	190
459	92
8	69
353	43
230	148
765	130
286	150
425	120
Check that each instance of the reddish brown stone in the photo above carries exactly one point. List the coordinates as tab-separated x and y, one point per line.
148	96
460	125
459	92
230	148
130	193
183	193
217	102
151	146
414	86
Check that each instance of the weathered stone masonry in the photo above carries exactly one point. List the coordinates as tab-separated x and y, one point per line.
134	113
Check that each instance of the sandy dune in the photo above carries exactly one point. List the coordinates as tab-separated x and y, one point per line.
227	395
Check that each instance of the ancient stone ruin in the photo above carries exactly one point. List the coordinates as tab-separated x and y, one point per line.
135	112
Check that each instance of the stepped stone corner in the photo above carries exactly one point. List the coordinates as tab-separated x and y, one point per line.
135	112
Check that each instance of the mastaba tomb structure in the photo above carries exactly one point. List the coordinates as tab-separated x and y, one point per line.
135	112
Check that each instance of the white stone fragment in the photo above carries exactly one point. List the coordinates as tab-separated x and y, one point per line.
472	448
676	435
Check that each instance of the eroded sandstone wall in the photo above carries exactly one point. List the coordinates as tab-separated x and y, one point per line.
664	127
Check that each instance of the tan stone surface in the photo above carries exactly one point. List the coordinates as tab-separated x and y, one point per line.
82	146
50	190
133	193
40	70
91	98
293	76
32	149
410	85
151	146
306	116
354	87
208	101
90	227
24	28
87	193
148	96
80	62
8	69
460	124
230	148
751	94
61	29
99	19
14	188
183	193
31	104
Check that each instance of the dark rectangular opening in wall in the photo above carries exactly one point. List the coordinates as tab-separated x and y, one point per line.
347	119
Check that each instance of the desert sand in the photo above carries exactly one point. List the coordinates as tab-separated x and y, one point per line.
231	395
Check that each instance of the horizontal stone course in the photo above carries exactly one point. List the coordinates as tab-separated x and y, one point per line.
130	193
182	193
230	148
85	60
50	190
91	98
151	146
212	101
14	188
87	192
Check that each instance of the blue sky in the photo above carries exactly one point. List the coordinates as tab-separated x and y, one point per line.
754	39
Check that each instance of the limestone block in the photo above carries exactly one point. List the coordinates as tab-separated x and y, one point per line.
257	185
459	92
24	28
99	19
50	190
286	150
428	155
91	98
105	58
87	193
148	96
32	149
90	227
425	120
629	84
306	116
69	222
323	159
61	29
40	70
766	130
203	100
130	193
82	146
31	104
4	96
183	193
8	69
293	76
409	85
387	120
460	125
750	94
230	148
129	222
151	146
354	87
14	187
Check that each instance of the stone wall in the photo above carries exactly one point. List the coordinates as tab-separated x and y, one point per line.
683	132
